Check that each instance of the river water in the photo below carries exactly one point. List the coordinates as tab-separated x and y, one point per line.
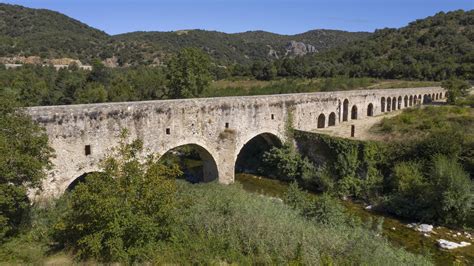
395	230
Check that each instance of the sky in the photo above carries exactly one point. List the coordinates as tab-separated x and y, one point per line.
279	16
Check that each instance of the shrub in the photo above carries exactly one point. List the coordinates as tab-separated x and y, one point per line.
123	212
452	191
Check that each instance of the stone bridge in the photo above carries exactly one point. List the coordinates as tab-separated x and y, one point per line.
81	135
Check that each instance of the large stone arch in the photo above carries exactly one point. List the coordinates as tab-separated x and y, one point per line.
270	138
345	110
73	182
210	170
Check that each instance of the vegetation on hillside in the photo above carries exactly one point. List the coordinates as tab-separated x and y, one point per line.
434	48
48	34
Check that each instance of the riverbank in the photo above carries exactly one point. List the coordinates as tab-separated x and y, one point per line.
396	231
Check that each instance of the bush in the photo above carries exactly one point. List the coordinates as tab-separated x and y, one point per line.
121	214
452	191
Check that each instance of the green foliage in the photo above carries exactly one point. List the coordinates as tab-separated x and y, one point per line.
285	163
456	88
121	213
188	73
444	195
25	155
452	189
227	224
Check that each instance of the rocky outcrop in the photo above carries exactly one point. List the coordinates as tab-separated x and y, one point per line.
295	48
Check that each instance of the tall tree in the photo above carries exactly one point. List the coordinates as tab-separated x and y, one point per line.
24	155
188	73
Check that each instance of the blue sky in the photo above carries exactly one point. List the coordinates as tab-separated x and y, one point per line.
280	16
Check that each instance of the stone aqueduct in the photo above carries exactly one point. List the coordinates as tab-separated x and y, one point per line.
219	127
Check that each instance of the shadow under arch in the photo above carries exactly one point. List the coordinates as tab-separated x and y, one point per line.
196	162
250	156
78	180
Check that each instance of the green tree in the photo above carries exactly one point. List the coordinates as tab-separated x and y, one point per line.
456	88
24	155
188	73
123	212
91	93
452	191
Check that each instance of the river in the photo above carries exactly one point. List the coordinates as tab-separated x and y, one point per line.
395	230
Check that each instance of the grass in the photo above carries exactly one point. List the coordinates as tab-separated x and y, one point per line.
224	224
416	123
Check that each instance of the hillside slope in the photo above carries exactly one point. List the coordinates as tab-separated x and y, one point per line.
48	34
244	47
434	48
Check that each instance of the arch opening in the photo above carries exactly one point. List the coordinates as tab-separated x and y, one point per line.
332	119
345	110
394	103
196	163
399	106
370	110
410	101
389	104
354	112
321	121
382	104
250	157
405	101
78	180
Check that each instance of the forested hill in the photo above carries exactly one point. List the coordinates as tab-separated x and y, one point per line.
45	33
48	34
433	48
244	47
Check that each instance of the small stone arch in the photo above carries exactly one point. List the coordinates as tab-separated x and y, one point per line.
389	104
437	96
382	104
394	103
370	110
419	99
345	110
399	103
405	101
354	112
206	173
426	98
410	101
321	121
433	97
332	119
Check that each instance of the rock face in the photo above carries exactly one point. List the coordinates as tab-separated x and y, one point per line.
425	228
451	245
295	48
